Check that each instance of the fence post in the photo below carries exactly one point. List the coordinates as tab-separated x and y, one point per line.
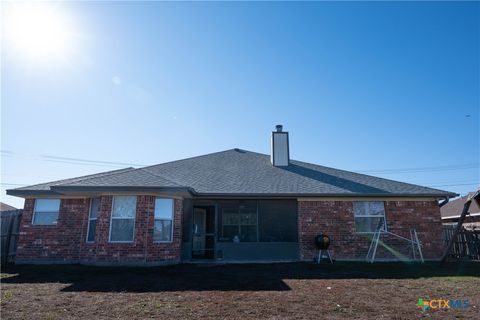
466	206
9	221
9	236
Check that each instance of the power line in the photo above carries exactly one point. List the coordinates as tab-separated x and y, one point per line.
424	169
100	163
454	185
69	160
92	161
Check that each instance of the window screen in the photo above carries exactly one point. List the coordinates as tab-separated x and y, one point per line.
369	216
46	211
92	219
122	224
163	220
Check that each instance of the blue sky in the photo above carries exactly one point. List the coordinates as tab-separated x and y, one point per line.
365	86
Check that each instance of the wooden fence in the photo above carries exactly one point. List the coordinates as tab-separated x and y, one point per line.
467	243
10	223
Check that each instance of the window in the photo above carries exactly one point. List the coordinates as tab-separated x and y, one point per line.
369	216
92	219
122	223
239	222
163	220
46	211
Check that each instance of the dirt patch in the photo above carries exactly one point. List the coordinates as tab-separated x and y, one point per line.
276	291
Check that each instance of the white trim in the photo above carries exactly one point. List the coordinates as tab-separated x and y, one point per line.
111	218
476	214
90	219
35	212
172	220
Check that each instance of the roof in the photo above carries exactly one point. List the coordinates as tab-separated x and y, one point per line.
459	215
6	207
454	208
238	172
46	187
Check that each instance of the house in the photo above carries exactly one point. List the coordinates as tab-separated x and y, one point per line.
6	207
452	210
234	205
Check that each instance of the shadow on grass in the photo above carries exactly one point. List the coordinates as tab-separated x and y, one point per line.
232	277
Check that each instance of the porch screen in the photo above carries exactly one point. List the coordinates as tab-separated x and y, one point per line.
277	221
238	222
258	221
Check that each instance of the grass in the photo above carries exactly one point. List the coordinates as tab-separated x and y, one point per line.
272	291
6	295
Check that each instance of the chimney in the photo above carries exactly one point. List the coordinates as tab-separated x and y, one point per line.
280	154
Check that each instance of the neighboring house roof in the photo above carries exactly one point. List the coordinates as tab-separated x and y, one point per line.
6	207
239	172
458	216
454	208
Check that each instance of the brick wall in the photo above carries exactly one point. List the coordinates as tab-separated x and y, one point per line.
66	241
335	218
57	242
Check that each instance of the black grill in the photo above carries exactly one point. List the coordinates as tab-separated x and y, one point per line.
322	241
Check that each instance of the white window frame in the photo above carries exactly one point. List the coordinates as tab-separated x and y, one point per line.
90	219
112	218
171	219
355	216
35	212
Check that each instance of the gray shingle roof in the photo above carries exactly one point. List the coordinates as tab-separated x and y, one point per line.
239	172
47	186
454	208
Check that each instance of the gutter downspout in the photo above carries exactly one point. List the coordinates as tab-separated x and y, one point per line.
444	202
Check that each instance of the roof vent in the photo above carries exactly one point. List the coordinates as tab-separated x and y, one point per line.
279	155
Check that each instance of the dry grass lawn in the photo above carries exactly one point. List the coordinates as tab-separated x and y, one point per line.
266	291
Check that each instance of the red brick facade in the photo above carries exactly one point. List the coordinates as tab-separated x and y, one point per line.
66	241
335	218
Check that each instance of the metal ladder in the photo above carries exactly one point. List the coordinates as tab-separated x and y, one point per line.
416	244
372	250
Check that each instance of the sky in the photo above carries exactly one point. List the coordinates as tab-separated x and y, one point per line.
388	89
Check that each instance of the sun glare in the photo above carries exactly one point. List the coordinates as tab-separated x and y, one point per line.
38	31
